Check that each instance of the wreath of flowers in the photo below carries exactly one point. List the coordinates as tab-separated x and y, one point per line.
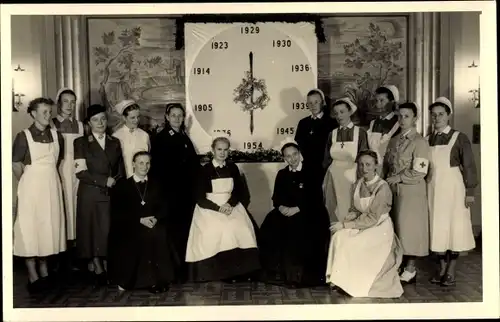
243	93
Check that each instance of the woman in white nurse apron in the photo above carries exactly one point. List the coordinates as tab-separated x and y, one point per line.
222	244
132	138
451	183
406	163
70	128
365	254
39	225
384	127
342	148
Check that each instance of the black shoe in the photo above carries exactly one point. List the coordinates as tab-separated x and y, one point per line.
36	286
448	280
101	279
155	289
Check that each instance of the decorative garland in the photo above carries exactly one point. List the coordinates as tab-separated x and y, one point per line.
260	155
247	18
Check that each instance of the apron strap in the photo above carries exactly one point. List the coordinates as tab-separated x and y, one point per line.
372	122
453	139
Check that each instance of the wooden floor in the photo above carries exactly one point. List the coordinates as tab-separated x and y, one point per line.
468	289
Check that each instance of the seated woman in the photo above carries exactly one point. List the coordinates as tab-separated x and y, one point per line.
140	254
222	243
365	254
294	237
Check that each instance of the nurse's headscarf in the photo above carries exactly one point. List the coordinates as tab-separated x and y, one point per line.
320	92
287	142
444	102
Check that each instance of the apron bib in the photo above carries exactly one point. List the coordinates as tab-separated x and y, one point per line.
39	228
213	232
355	257
450	221
70	181
340	176
378	142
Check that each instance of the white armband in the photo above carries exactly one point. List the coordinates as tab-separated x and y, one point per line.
421	165
80	165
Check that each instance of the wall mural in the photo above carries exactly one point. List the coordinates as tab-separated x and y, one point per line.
137	59
360	54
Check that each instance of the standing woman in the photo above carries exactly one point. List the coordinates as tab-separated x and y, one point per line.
175	164
39	226
406	163
312	134
222	244
98	164
342	148
384	127
451	183
132	138
71	129
294	236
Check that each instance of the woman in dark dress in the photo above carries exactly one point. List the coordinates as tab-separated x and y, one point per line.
174	164
222	244
312	134
294	237
140	255
98	166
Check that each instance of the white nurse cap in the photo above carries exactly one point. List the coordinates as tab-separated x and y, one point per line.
121	106
443	100
394	90
62	90
348	101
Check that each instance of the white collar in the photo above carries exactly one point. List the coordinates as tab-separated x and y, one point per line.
137	179
60	118
388	116
217	164
350	125
299	167
446	130
372	181
97	136
317	117
406	133
129	130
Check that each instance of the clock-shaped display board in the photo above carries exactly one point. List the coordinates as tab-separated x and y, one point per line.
249	81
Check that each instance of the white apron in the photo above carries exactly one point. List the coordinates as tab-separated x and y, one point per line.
378	142
450	220
356	257
70	181
213	232
39	228
342	175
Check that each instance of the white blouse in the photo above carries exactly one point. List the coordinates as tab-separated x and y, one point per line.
132	141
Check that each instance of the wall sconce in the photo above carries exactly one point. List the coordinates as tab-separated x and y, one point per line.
17	101
476	93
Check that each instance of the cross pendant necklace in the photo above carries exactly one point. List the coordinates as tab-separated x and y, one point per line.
342	144
142	196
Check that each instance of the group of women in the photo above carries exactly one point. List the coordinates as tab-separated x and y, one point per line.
142	214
